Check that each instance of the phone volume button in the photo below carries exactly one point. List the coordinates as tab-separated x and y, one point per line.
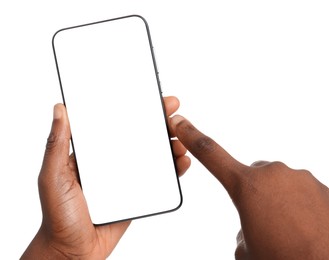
156	66
160	86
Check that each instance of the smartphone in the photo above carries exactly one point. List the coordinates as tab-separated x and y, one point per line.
111	89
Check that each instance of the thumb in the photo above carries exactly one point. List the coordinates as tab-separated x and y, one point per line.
220	163
58	142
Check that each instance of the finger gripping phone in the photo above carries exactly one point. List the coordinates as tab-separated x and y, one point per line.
111	89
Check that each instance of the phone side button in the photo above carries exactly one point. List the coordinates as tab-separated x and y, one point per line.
160	86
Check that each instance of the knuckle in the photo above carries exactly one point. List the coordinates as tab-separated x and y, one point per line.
277	166
199	143
204	145
51	142
305	172
185	126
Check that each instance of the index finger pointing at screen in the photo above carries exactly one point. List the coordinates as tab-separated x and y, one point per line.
220	163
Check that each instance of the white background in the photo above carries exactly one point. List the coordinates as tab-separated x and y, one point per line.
251	74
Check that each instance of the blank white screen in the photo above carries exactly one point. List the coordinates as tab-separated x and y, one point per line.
117	119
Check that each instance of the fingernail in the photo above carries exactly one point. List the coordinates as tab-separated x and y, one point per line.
175	120
57	112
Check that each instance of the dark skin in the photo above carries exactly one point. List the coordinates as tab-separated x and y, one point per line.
66	230
284	213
